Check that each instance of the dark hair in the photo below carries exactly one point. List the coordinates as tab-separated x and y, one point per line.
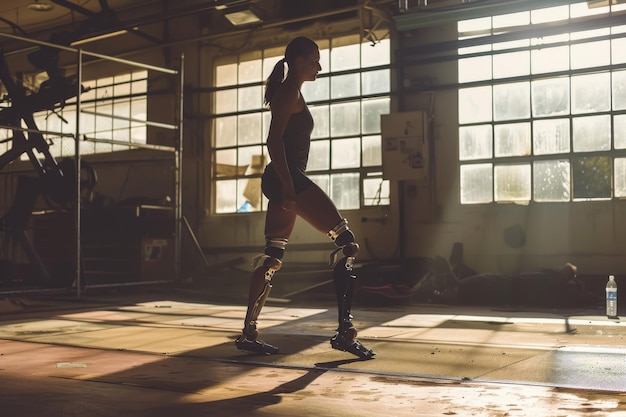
298	47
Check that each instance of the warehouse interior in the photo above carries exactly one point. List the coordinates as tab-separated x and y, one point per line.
486	135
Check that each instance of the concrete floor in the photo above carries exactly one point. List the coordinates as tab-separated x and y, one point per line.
162	352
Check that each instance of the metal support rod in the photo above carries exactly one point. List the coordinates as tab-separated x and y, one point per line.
79	81
178	215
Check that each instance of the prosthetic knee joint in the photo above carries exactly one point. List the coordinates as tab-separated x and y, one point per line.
272	261
343	278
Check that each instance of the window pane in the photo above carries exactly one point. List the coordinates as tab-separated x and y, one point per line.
591	54
347	85
551	181
474	69
372	109
346	153
475	142
549	14
550	59
268	65
511	64
512	139
345	57
321	126
250	98
550	97
591	93
319	155
319	90
618	51
476	184
226	131
376	192
372	152
375	82
475	105
251	159
619	131
512	182
592	133
511	101
345	191
592	177
250	71
345	118
249	128
619	90
620	177
226	163
226	196
551	136
323	181
225	101
377	54
225	75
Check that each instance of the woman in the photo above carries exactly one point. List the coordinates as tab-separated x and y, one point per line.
291	193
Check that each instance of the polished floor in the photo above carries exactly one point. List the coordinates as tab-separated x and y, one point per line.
167	352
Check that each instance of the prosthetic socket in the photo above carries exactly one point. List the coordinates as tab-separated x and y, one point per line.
272	261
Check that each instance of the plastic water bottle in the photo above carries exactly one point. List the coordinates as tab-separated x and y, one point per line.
611	298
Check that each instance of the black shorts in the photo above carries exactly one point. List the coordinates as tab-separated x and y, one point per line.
272	187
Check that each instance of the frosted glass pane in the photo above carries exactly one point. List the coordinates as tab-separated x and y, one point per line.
226	75
377	54
250	71
550	97
474	69
269	64
250	98
249	128
345	57
345	191
372	150
475	142
475	105
375	192
225	131
252	158
322	181
319	155
249	195
511	19
225	101
347	85
512	182
620	177
511	101
550	59
592	133
592	178
346	153
549	14
591	93
551	136
226	163
317	90
372	109
619	131
619	90
551	181
511	64
512	140
321	127
375	82
476	184
226	196
591	54
618	51
345	119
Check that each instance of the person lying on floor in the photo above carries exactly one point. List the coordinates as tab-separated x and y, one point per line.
544	288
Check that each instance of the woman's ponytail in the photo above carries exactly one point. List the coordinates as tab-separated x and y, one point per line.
274	80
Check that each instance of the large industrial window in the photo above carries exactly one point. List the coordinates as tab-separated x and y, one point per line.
346	102
542	105
112	109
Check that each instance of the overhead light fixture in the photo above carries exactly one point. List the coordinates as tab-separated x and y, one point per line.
242	16
39	6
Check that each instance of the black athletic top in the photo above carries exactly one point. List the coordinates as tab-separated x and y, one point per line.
297	139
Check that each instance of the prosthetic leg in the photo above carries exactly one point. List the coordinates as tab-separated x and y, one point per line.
272	261
343	278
